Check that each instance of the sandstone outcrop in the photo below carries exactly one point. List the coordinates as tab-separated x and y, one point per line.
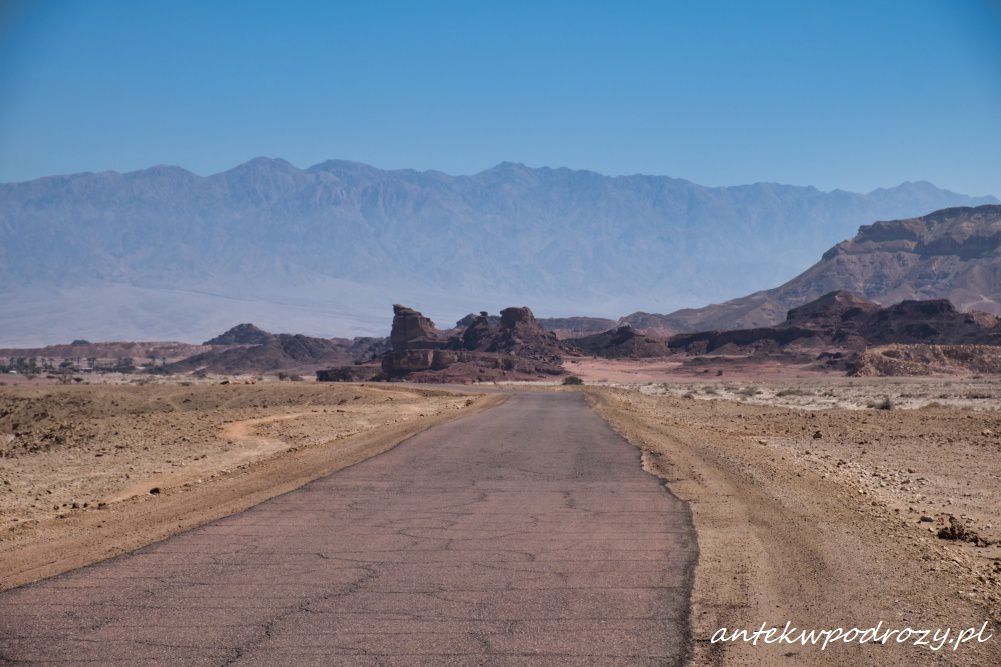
412	329
519	334
478	333
481	348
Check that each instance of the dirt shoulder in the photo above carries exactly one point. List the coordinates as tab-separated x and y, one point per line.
796	522
89	472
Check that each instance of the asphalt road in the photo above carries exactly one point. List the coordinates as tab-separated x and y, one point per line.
527	534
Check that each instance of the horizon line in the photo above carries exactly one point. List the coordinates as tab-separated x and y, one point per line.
504	163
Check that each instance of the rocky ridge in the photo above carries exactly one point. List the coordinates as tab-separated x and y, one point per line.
246	348
622	342
846	321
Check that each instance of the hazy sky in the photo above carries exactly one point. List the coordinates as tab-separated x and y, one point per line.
855	95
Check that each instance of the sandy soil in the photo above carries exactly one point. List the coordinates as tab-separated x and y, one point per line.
828	517
832	391
674	369
102	469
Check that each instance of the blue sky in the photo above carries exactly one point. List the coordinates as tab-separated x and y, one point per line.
855	95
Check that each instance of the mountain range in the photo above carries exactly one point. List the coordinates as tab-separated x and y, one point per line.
166	254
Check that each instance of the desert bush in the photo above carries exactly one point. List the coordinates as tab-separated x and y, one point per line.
960	531
572	380
885	404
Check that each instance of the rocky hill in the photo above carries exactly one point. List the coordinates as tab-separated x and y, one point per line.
622	342
242	334
843	320
910	360
952	254
563	327
107	254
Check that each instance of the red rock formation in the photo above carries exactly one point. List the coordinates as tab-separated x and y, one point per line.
411	328
518	348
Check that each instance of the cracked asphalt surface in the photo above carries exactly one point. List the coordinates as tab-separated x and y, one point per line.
527	534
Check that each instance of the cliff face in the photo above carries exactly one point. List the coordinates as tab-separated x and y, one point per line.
412	329
952	254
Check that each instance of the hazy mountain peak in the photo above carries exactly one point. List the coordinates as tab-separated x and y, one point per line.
163	171
342	166
507	168
263	164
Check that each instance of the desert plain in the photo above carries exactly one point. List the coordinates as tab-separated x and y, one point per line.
826	501
90	471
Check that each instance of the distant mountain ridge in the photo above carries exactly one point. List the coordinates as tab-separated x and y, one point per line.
952	254
310	249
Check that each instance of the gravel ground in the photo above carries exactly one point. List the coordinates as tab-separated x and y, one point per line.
108	456
829	516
